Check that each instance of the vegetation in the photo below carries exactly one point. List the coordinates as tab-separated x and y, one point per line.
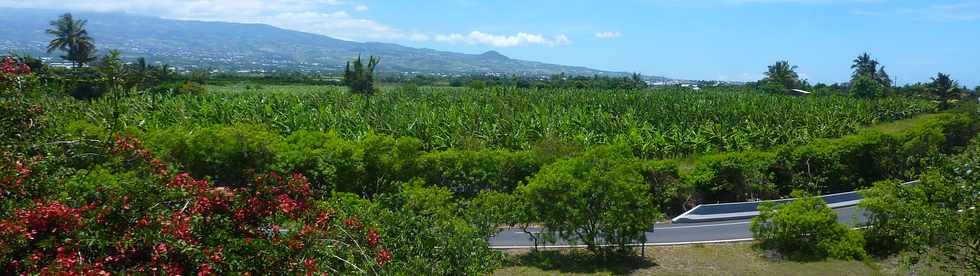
72	38
782	76
598	198
130	168
660	123
937	217
806	228
360	77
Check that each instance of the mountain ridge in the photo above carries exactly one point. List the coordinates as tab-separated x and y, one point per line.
261	47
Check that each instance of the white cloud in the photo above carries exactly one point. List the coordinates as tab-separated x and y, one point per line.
608	34
520	39
326	17
315	16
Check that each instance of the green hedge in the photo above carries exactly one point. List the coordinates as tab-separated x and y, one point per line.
829	165
373	164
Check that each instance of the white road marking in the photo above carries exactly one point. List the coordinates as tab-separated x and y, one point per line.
701	226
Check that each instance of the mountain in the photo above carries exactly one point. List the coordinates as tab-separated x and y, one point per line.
236	46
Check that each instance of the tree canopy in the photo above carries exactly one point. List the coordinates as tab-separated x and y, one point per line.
71	36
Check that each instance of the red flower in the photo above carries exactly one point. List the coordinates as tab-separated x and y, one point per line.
373	238
205	269
24	69
383	257
353	223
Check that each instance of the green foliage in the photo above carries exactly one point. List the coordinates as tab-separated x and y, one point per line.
21	115
179	88
658	123
426	236
937	217
864	86
782	74
469	172
366	167
229	154
488	210
408	88
804	229
945	89
71	36
733	177
874	78
360	77
476	85
597	198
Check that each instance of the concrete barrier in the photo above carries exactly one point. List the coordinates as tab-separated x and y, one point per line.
744	210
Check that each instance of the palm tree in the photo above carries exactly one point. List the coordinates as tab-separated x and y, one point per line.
945	88
784	74
864	65
71	37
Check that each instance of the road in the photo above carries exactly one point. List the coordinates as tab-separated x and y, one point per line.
677	233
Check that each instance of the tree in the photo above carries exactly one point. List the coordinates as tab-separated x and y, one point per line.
945	89
111	67
938	217
360	77
71	37
874	81
806	229
599	197
865	87
782	73
864	65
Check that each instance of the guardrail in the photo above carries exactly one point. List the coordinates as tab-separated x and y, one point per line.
744	210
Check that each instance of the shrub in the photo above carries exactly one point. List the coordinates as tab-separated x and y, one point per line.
133	215
734	177
365	167
20	117
426	236
229	154
469	172
599	197
936	217
806	229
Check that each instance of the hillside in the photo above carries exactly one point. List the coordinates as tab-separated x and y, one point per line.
235	46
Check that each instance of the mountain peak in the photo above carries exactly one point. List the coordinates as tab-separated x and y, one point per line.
494	55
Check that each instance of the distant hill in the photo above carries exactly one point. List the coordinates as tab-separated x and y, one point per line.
235	46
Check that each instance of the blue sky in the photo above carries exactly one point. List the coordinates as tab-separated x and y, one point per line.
692	39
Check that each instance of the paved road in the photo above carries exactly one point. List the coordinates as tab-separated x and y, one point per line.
678	233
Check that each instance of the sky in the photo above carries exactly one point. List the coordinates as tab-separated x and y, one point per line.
686	39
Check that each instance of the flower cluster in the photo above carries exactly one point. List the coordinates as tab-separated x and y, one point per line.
10	66
131	148
178	224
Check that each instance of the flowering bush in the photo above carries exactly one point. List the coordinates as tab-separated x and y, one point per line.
19	117
133	214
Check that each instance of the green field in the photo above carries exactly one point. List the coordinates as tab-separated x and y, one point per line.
658	123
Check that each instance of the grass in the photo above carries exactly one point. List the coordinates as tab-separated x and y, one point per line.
902	125
720	259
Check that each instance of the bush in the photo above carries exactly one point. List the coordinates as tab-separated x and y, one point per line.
133	215
468	173
229	154
366	167
937	217
599	197
806	229
426	236
733	177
